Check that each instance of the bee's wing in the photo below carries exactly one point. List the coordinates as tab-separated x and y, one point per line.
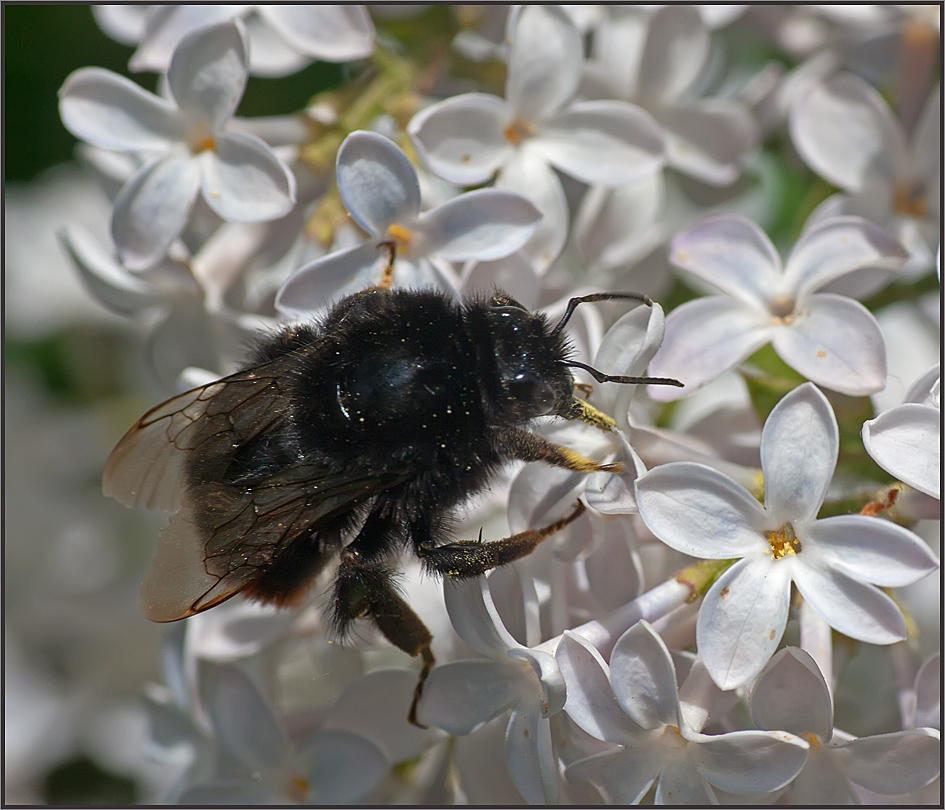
148	466
205	557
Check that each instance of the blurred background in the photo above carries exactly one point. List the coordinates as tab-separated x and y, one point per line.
78	654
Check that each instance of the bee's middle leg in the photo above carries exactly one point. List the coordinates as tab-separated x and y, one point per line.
470	558
365	587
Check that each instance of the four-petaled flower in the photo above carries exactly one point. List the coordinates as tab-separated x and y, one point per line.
183	142
791	695
468	138
379	187
832	340
635	703
835	563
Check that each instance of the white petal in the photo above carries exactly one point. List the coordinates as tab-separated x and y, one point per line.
676	49
482	224
329	278
528	174
335	33
698	511
627	348
270	55
703	338
732	254
612	494
462	139
461	696
742	619
791	695
679	786
856	609
377	183
895	763
513	273
545	59
590	701
616	226
112	112
624	776
872	549
166	26
475	618
530	756
603	142
376	705
926	152
152	208
835	247
110	283
750	761
835	342
799	446
207	74
706	140
644	678
846	133
342	767
244	181
924	390
928	693
821	784
243	722
123	22
906	442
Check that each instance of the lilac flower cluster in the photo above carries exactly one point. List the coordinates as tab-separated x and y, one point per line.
692	638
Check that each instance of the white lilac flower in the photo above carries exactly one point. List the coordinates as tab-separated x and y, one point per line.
283	38
830	339
185	143
187	333
635	704
838	564
791	694
469	138
847	133
906	440
255	762
379	188
459	697
657	61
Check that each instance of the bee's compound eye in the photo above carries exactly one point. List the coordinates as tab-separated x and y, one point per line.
532	392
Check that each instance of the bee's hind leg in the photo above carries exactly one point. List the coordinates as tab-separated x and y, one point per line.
365	587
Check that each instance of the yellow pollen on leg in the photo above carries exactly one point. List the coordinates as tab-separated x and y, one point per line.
784	542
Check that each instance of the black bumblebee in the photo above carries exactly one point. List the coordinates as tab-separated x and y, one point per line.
354	439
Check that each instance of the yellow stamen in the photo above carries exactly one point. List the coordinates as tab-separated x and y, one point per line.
205	143
519	130
400	235
784	542
910	200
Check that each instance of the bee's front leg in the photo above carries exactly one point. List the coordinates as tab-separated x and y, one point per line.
527	446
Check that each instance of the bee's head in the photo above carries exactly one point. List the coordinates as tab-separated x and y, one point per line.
530	361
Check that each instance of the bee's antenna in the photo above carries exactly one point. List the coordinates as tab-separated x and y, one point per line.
585	299
620	378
